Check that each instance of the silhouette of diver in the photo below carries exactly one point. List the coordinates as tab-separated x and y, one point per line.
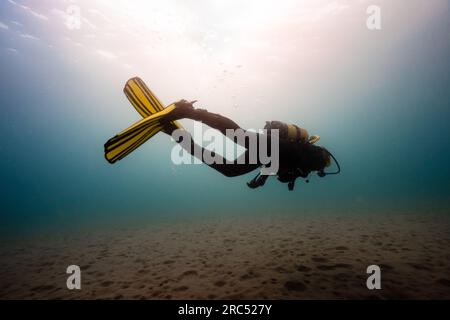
298	155
295	153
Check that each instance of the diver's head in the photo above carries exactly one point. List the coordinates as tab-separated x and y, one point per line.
309	158
316	158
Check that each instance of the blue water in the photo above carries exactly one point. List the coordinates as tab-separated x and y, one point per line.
382	109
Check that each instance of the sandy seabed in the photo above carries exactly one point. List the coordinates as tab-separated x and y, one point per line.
279	257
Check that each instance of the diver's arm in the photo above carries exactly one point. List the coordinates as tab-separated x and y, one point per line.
240	166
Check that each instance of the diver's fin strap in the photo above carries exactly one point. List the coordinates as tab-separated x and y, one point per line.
257	181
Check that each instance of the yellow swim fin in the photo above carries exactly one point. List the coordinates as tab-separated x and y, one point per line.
151	109
145	101
131	138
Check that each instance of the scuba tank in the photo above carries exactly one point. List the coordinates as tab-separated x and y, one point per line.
291	132
288	132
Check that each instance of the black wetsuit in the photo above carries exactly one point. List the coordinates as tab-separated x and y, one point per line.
293	159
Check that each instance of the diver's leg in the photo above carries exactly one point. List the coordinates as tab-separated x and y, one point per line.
239	136
239	166
236	168
214	120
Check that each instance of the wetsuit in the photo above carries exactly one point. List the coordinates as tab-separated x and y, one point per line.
293	159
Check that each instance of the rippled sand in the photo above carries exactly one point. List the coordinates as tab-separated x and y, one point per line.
240	258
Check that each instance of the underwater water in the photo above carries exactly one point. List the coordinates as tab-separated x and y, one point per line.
379	99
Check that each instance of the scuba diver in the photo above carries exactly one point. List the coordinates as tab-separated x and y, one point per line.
298	154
